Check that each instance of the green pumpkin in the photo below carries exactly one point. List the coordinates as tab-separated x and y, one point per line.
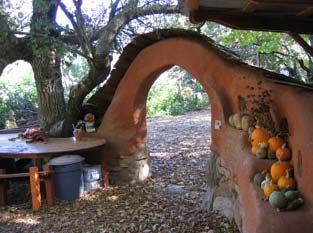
278	200
261	153
264	145
271	154
295	204
259	178
292	195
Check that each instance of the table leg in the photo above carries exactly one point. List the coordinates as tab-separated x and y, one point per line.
3	190
49	185
35	187
105	174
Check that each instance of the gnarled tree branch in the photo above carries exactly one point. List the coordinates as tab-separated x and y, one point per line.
108	33
12	48
79	31
307	48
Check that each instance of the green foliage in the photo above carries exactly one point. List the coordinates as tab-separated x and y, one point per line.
176	96
266	42
269	50
18	96
4	110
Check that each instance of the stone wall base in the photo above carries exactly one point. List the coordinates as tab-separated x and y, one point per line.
223	195
130	169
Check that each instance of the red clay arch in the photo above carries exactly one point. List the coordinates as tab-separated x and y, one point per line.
225	80
128	103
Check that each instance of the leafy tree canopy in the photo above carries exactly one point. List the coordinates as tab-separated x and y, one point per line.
70	45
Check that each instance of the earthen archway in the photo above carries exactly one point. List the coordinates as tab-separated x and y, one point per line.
131	94
227	81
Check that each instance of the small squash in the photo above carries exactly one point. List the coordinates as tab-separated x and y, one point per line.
292	195
271	154
295	204
286	182
231	120
264	145
283	153
254	149
269	188
259	135
237	120
278	200
266	181
250	130
261	153
259	178
279	169
246	122
275	143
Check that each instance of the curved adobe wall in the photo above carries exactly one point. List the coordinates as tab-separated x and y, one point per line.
124	126
128	105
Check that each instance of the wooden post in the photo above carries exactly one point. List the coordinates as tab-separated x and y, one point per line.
35	187
3	190
49	185
37	163
105	174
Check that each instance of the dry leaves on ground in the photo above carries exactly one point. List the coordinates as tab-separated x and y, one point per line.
169	202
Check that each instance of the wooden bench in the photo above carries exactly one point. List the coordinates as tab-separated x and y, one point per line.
35	176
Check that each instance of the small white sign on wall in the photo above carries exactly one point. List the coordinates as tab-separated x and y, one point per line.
217	124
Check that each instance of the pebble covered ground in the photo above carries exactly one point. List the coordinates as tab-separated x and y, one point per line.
171	201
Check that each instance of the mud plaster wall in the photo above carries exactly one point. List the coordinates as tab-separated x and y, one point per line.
124	125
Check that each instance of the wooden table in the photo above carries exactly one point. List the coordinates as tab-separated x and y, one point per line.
37	151
54	147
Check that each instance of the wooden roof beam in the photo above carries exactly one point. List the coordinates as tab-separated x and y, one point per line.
297	2
306	12
193	5
250	7
302	25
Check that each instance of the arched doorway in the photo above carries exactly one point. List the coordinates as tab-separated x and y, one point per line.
124	124
179	133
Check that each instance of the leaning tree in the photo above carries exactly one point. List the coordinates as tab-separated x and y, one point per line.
37	37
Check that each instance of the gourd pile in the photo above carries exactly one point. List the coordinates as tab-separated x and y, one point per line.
278	185
242	121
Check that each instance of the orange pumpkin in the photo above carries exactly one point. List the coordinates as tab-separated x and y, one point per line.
286	182
275	143
254	149
283	153
279	169
259	135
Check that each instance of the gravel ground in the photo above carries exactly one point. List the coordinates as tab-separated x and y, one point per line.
169	202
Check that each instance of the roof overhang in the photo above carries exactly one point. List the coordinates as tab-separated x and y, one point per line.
263	15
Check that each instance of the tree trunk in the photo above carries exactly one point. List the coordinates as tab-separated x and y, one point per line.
46	63
95	76
49	88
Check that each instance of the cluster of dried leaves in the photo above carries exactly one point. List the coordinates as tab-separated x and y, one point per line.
170	201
